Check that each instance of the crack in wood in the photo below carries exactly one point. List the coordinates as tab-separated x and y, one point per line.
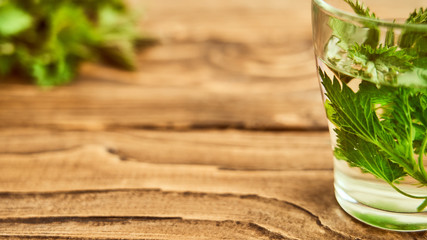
121	219
123	157
317	219
63	219
47	237
117	153
55	150
254	197
272	170
265	231
185	127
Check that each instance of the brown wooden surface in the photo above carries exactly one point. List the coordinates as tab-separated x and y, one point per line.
219	135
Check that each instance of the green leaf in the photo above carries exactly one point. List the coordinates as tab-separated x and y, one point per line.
398	122
13	20
389	38
421	63
109	17
373	34
359	9
357	131
5	65
119	53
366	156
410	38
50	38
371	91
418	104
381	127
56	73
347	34
352	113
355	114
380	65
418	16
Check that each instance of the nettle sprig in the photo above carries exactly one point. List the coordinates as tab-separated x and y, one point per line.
46	40
382	128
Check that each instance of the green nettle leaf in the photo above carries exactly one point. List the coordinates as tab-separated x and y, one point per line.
359	9
56	73
47	39
367	156
373	34
108	16
371	92
13	20
418	104
379	129
389	38
420	45
418	16
112	46
412	38
381	64
346	33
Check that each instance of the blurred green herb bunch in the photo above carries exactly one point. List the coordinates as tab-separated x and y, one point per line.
47	39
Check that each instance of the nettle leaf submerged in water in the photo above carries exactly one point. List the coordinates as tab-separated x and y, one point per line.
382	127
47	39
379	64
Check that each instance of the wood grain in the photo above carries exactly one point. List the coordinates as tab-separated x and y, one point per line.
135	228
282	218
239	65
64	192
234	150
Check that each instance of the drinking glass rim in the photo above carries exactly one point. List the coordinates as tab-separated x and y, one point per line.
344	15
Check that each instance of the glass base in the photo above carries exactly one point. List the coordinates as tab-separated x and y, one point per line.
397	221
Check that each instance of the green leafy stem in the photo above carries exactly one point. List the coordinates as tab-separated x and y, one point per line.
380	145
46	40
382	127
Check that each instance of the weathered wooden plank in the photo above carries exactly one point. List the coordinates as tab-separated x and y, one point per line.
92	104
159	208
131	228
236	64
308	195
252	21
95	167
228	149
282	218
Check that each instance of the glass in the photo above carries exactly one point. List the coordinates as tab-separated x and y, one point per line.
372	66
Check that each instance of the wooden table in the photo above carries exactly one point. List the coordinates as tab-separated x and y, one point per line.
219	135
